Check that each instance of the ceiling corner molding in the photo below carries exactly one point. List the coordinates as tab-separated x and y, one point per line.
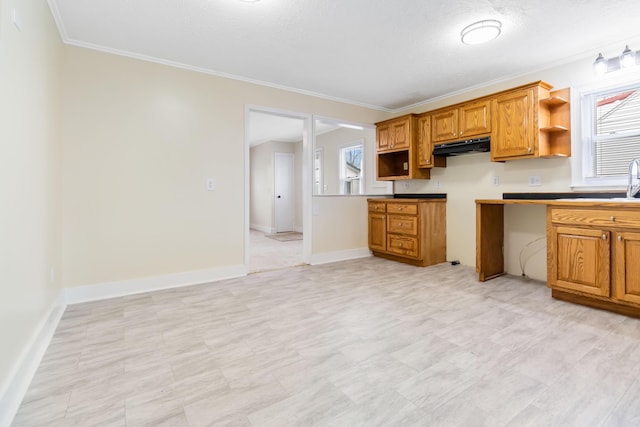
57	18
180	65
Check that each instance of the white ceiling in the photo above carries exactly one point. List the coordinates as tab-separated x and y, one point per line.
380	53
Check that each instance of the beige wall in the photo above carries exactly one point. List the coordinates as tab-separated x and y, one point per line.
140	139
470	177
29	177
262	208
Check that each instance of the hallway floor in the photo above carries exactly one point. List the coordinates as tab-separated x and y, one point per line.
269	254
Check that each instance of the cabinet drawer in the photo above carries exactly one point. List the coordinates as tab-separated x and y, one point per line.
403	208
377	207
403	245
402	224
596	217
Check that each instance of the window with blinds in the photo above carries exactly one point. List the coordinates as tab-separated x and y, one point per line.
615	131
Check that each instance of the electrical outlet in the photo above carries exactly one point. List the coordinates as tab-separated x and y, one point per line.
405	185
496	180
405	165
438	183
535	181
211	184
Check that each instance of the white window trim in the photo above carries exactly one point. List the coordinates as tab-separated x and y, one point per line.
319	153
582	126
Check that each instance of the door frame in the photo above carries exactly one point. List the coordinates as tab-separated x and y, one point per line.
307	182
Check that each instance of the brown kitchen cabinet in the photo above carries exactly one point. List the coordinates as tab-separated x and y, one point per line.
377	226
529	122
412	231
397	150
592	257
426	159
463	121
395	134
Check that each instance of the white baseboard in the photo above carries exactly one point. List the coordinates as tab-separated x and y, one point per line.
27	365
328	257
262	228
148	284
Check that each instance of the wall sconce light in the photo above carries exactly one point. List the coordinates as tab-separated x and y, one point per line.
481	31
603	65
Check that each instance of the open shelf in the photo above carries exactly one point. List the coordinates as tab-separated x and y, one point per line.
393	165
554	128
554	101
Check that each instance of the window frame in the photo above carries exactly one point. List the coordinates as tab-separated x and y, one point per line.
341	160
582	142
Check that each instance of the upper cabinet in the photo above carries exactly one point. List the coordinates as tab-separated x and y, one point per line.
395	134
461	122
530	121
397	155
426	159
525	122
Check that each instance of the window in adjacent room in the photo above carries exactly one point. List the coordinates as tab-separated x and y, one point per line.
351	169
610	134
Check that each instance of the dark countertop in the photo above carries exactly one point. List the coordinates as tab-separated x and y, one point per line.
420	196
569	195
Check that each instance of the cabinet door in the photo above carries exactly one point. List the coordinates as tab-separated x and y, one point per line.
400	134
377	232
580	260
627	267
475	119
444	125
383	137
514	131
425	150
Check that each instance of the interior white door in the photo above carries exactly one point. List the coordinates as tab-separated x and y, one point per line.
284	193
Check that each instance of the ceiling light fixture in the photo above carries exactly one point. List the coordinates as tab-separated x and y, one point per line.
481	31
627	59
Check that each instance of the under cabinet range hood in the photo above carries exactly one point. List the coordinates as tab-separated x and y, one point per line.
463	147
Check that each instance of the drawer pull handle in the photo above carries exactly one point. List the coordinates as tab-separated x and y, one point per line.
604	236
613	218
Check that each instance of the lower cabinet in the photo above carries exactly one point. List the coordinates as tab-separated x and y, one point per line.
408	230
592	257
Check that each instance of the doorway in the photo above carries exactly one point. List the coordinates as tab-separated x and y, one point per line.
277	189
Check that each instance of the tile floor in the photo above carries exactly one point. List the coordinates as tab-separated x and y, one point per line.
267	254
365	342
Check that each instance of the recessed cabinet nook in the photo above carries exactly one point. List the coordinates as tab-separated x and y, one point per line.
524	122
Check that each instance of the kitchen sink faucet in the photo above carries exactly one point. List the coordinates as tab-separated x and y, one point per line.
634	169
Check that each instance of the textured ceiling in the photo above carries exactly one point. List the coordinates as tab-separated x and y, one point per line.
380	53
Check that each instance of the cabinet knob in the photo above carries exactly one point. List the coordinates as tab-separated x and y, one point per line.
399	209
604	236
620	239
529	150
461	133
400	244
613	218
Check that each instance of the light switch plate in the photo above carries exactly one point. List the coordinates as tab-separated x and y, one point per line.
17	21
